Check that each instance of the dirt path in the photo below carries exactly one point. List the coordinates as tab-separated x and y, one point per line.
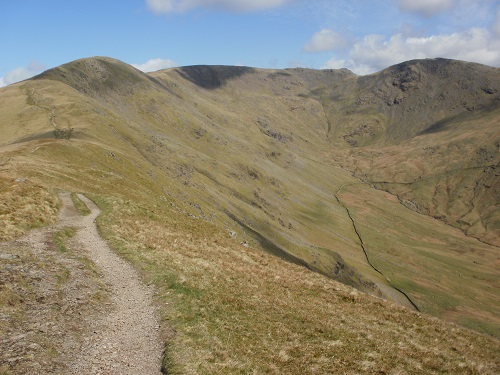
125	340
73	307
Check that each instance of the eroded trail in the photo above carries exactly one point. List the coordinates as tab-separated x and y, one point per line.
125	339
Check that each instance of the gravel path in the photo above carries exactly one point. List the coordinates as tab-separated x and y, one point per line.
125	340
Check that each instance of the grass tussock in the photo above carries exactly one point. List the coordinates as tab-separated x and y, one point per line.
24	206
237	310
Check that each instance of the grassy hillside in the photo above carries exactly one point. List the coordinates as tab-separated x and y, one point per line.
450	174
227	308
196	168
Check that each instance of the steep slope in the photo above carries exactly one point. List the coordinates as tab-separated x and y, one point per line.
439	122
443	115
269	156
225	308
409	99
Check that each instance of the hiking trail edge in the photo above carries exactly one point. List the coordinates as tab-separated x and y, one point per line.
125	339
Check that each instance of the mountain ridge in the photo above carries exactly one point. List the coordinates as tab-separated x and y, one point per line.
372	130
262	153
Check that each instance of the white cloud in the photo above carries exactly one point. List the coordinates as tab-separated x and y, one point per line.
21	73
161	6
496	24
335	63
426	8
325	40
18	74
155	64
169	6
374	52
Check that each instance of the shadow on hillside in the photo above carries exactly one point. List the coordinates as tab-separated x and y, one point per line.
266	244
212	77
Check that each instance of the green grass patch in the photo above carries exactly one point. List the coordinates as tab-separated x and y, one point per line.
480	325
79	205
61	236
63	276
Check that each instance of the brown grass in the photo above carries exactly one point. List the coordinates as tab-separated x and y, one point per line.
24	205
237	310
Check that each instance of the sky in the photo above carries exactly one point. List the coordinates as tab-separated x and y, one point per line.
364	36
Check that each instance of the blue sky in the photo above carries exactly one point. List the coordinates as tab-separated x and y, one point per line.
362	35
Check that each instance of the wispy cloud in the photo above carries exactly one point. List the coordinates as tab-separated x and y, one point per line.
21	73
172	6
326	40
457	29
426	8
155	64
496	24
